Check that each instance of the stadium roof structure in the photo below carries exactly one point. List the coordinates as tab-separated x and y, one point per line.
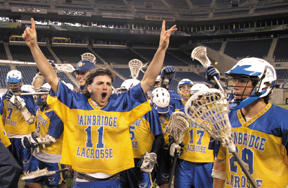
142	10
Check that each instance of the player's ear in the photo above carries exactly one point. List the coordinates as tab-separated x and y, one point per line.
89	89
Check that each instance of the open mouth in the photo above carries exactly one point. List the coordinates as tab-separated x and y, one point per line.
103	95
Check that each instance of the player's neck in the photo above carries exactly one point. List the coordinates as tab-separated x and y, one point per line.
254	108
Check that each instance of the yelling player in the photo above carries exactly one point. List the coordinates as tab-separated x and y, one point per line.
259	129
97	122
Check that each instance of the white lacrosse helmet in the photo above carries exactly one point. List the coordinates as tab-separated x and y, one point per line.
198	87
128	84
14	80
260	72
161	100
45	87
180	84
14	76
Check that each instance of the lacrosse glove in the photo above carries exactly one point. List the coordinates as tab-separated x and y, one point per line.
176	149
35	141
17	101
148	162
30	141
211	71
167	73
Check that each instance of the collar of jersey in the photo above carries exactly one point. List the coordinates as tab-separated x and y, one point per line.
247	123
94	104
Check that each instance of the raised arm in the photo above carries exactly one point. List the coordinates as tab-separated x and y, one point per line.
30	37
156	64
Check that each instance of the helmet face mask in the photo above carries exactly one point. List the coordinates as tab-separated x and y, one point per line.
42	99
256	76
184	87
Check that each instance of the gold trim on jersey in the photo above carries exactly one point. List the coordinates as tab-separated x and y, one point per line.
249	122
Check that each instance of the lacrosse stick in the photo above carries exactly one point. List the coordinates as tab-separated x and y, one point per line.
200	54
59	67
33	93
209	109
89	56
176	127
40	173
135	65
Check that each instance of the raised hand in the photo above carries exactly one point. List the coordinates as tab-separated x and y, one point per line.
30	34
165	35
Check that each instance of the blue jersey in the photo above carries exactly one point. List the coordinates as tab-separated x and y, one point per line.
96	139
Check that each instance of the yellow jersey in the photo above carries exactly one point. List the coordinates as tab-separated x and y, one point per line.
262	144
49	123
13	120
143	131
96	139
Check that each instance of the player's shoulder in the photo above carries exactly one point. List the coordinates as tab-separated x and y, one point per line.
279	112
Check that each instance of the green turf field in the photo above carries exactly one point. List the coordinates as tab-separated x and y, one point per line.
283	106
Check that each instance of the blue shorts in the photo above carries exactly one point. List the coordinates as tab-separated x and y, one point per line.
196	175
21	154
53	180
115	183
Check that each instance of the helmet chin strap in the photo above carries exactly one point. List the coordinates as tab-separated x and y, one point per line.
245	102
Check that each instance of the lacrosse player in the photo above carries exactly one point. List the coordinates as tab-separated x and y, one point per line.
147	139
259	129
183	89
82	68
96	133
47	143
161	103
196	161
3	134
18	116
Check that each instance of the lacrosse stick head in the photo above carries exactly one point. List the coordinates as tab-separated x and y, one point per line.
177	126
35	174
135	65
64	68
209	109
88	56
200	54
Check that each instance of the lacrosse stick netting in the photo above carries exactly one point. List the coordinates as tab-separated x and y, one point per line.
177	126
200	54
135	65
89	56
209	109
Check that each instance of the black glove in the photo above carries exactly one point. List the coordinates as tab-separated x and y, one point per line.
211	71
167	73
30	142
